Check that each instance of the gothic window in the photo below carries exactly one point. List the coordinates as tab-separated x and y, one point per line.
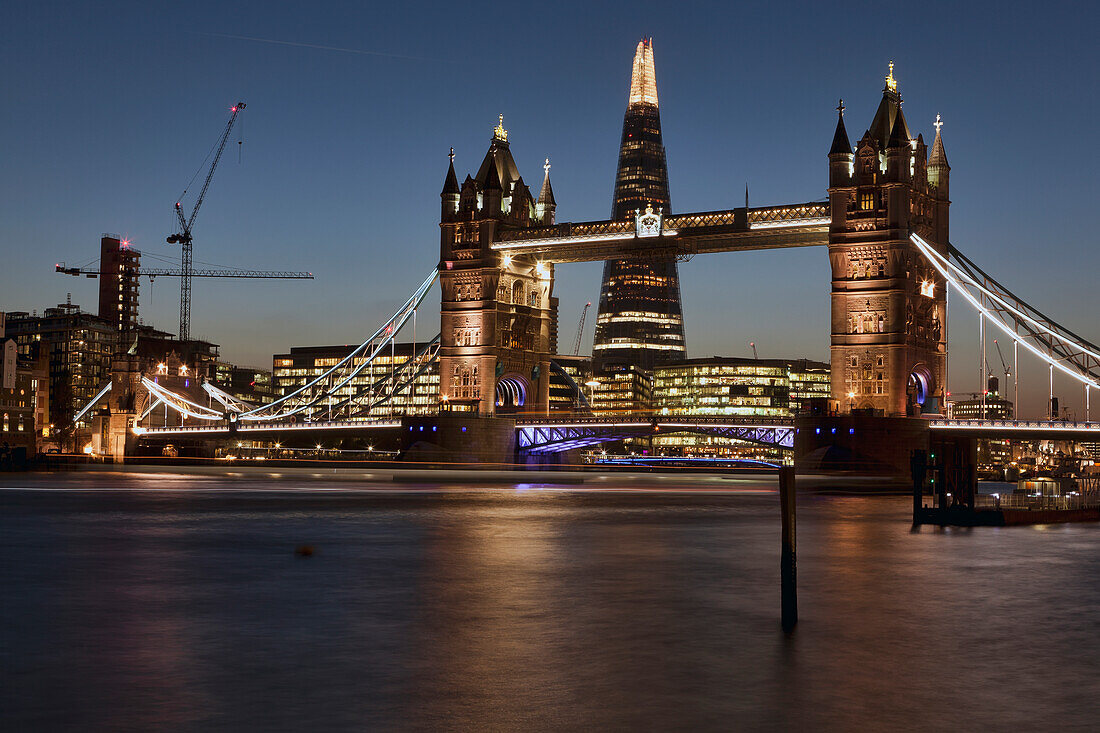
879	361
881	326
502	293
854	362
517	293
867	201
533	300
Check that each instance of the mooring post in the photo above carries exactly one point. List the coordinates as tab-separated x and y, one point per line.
918	464
787	559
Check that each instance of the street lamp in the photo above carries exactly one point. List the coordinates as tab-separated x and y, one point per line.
591	384
851	401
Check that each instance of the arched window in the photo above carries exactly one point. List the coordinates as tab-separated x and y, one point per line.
517	292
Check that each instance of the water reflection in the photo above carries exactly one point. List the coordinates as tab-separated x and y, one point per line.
508	609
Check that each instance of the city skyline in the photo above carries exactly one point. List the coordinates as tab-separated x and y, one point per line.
309	195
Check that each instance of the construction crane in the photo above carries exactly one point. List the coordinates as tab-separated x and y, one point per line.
154	272
580	330
1008	372
183	237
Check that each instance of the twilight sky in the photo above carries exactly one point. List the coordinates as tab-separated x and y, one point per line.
109	108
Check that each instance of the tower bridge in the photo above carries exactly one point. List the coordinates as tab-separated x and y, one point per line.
884	226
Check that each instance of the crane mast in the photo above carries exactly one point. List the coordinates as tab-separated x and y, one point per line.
580	330
183	237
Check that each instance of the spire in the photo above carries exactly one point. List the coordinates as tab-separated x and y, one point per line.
899	135
450	186
938	156
643	79
841	145
546	195
492	179
889	109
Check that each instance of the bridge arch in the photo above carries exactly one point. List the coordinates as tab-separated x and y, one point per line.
512	391
921	384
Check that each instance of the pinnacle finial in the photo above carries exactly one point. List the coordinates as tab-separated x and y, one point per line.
891	82
451	155
499	132
937	124
546	166
840	108
643	79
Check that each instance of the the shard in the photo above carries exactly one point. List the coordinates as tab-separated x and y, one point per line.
640	320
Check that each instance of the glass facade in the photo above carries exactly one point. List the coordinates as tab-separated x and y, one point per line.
739	388
78	347
304	364
640	319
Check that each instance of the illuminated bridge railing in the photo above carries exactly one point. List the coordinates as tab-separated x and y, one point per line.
704	219
1085	430
781	216
570	230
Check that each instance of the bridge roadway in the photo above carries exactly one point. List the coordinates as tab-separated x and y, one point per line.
533	434
559	434
679	235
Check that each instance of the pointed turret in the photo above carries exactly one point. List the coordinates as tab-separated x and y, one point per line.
938	169
841	145
899	135
939	155
545	206
840	154
889	109
451	193
450	185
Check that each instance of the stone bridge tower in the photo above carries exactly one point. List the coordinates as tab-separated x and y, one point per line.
889	307
495	315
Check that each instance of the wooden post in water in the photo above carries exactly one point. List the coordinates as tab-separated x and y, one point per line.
787	559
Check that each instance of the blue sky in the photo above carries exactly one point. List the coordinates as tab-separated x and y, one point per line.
110	107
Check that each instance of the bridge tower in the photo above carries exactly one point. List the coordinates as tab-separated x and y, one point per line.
495	315
889	307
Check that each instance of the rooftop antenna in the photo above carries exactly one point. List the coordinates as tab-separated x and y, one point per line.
754	354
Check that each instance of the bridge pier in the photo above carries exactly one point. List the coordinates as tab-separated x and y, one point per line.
458	439
872	445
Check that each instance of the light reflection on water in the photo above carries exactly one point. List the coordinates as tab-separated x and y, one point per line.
521	609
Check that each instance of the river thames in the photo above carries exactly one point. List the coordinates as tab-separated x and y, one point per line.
173	601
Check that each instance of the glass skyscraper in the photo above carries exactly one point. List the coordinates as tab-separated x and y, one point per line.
640	320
